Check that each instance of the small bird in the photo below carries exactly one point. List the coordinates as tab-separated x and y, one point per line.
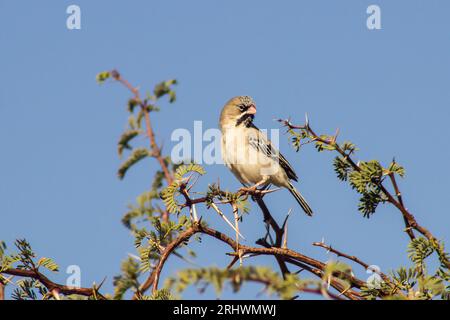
249	154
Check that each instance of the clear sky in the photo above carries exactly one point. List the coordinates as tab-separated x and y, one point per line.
387	90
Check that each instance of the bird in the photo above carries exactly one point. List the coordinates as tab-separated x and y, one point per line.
250	155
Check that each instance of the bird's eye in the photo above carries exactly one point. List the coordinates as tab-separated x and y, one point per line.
242	107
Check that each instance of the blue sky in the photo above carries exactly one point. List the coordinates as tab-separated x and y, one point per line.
387	90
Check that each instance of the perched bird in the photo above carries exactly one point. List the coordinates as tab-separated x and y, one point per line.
249	154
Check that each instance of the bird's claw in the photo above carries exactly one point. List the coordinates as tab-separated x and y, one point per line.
248	189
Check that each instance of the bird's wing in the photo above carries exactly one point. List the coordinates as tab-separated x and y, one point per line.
261	143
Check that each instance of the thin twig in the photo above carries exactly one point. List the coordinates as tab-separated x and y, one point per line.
349	257
365	265
400	200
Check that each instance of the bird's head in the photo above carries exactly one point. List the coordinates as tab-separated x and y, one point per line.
238	111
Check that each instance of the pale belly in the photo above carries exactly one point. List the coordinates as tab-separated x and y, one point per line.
248	164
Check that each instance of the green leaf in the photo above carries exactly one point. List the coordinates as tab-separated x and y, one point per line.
168	196
297	138
132	103
125	139
397	169
348	146
418	250
431	286
48	263
321	146
162	294
128	278
367	177
342	168
212	276
103	76
164	88
187	168
136	156
369	202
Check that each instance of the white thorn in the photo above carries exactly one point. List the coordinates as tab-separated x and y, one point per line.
270	190
214	206
194	213
289	212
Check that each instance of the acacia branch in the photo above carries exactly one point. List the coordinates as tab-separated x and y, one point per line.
319	291
268	219
400	200
410	220
349	293
366	266
349	257
287	254
51	286
156	150
279	232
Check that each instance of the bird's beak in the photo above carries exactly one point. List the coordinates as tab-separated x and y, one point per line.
252	109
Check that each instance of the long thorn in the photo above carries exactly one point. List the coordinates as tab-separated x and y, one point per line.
286	219
285	236
193	210
269	191
236	221
214	206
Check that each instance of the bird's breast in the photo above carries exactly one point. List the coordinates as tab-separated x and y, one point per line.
246	162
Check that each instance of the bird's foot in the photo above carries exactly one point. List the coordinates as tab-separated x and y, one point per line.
248	189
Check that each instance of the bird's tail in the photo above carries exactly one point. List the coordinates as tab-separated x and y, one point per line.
301	201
